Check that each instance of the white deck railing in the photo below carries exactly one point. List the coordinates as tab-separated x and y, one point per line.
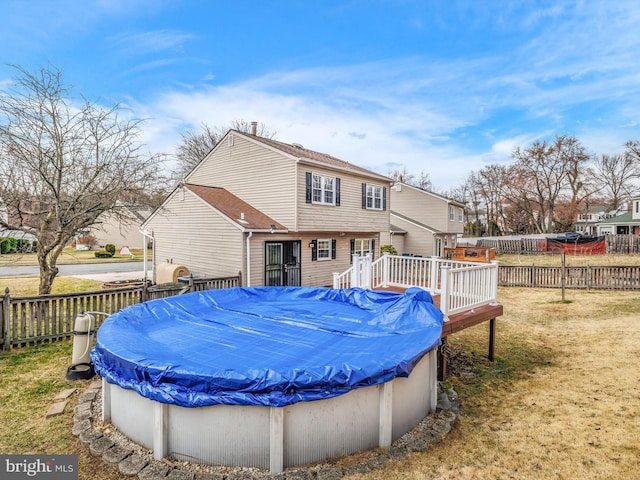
461	285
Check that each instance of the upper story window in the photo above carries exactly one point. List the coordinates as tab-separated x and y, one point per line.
323	189
460	214
452	214
374	197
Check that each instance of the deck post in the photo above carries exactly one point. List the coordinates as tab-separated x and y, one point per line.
444	291
495	273
492	338
355	272
385	270
433	275
442	360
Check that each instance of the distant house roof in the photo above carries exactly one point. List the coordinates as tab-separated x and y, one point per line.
236	210
310	156
624	218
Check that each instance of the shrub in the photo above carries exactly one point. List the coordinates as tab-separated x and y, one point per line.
111	248
103	254
390	249
24	246
8	245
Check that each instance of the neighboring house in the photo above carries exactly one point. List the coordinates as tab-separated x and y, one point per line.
625	224
278	213
587	223
120	229
423	222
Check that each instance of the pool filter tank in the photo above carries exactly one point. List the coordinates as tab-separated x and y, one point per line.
81	365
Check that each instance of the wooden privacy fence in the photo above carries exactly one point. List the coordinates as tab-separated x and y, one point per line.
532	245
622	243
32	320
588	277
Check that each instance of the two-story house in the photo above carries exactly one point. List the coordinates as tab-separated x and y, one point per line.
625	224
278	213
423	222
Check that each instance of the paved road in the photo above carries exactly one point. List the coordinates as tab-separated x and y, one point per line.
99	271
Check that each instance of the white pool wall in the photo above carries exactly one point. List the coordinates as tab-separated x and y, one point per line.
275	438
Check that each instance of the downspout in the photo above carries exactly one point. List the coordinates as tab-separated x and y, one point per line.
145	254
248	248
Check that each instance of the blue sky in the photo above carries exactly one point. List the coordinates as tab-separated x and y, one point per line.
441	87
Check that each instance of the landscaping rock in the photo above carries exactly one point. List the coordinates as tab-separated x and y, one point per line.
132	465
154	471
80	426
87	436
116	454
100	445
180	475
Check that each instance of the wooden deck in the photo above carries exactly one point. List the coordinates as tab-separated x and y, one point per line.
460	321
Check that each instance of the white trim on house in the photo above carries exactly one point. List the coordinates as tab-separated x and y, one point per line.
357	173
417	224
440	197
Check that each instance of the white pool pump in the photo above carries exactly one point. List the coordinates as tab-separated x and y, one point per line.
84	329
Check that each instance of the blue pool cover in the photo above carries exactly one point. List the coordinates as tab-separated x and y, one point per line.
271	346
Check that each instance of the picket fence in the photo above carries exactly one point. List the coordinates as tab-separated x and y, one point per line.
44	318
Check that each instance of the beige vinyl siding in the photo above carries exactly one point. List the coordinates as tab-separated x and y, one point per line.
417	241
349	216
256	174
120	234
192	234
422	207
398	242
320	273
455	225
313	273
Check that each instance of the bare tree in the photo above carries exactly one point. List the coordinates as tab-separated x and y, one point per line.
64	164
196	145
402	175
545	171
490	183
614	176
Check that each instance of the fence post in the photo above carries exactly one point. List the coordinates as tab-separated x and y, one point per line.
494	282
355	273
366	272
385	270
6	312
433	274
444	292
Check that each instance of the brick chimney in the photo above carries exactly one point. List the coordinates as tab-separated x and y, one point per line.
254	128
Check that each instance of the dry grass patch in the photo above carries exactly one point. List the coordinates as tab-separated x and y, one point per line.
554	260
560	402
69	256
28	286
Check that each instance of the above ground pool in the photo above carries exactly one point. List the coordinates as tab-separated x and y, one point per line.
269	376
